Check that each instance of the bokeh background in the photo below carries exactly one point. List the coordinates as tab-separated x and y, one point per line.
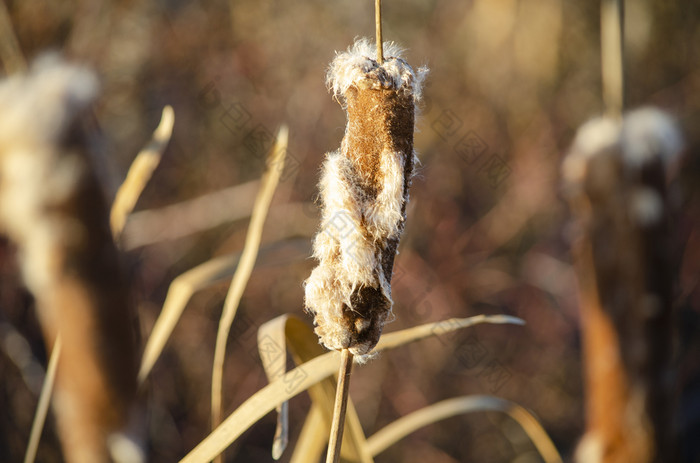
487	232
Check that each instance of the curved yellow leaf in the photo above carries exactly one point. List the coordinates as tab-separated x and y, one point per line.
273	338
392	433
306	375
245	267
184	286
312	439
140	172
179	293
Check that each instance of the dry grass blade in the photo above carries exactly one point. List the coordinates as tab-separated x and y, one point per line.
181	290
311	441
404	426
273	338
245	266
262	403
341	402
42	407
140	172
273	354
308	374
189	217
399	338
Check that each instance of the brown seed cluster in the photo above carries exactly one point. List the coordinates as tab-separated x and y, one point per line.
364	192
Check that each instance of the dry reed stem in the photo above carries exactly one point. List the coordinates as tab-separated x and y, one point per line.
42	407
612	56
52	206
245	267
140	172
378	31
341	403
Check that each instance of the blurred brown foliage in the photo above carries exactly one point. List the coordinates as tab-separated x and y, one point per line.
487	230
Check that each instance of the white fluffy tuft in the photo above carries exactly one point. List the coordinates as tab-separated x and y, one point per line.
591	139
351	67
648	133
36	110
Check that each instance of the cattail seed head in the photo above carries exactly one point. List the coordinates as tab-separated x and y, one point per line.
616	182
364	192
52	207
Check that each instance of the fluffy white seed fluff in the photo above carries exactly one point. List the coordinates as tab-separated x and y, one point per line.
35	111
351	68
647	133
644	136
592	138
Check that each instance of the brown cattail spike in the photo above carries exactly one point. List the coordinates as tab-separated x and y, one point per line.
364	191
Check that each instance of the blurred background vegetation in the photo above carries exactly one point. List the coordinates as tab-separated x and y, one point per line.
487	229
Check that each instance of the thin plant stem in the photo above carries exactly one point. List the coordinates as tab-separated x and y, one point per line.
378	22
612	56
42	407
341	402
245	267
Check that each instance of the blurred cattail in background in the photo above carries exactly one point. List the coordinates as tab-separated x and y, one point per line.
616	174
53	208
364	192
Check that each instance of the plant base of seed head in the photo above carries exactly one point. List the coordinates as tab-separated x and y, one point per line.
364	191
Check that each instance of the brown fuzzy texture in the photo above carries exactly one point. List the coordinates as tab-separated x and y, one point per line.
379	122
